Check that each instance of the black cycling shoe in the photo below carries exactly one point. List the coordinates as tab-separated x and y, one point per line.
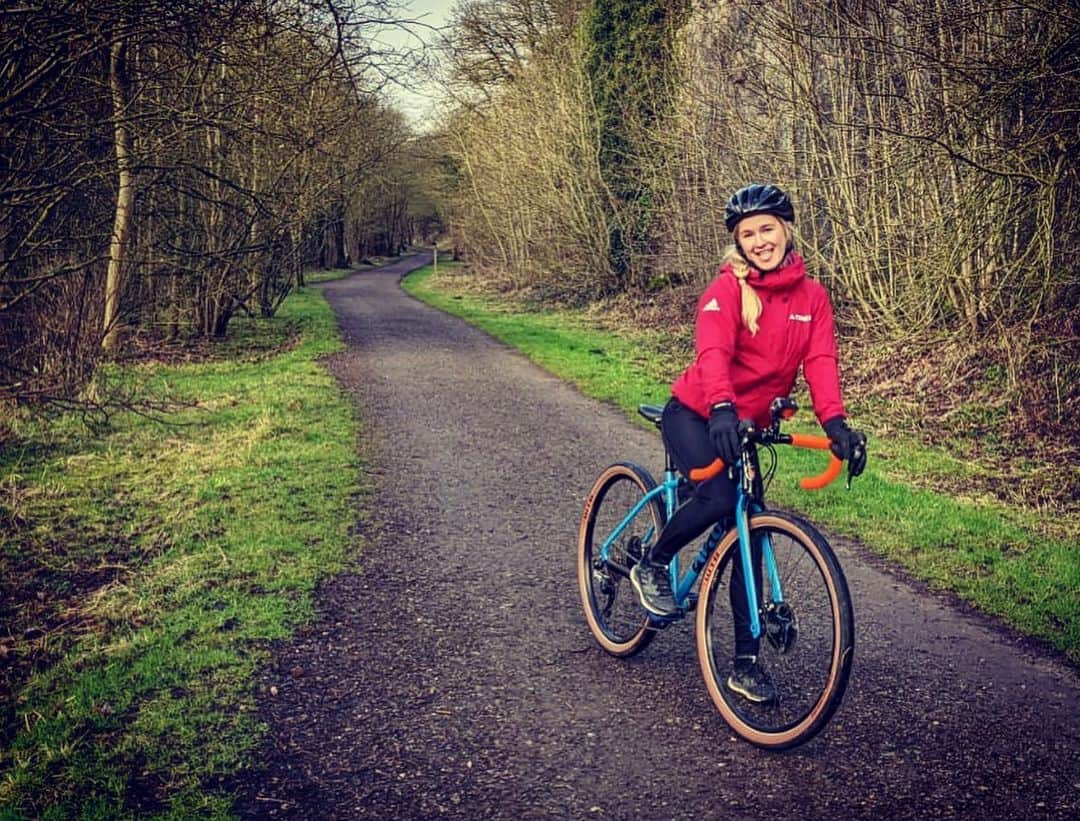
653	585
750	681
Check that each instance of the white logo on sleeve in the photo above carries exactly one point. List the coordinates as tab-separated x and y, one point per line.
800	317
711	305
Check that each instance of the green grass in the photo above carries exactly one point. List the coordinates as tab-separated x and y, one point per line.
315	277
1017	564
147	567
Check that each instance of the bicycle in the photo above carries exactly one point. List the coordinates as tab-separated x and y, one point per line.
799	604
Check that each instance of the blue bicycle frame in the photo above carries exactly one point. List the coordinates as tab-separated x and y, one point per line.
682	583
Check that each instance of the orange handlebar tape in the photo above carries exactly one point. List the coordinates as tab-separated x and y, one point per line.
799	440
707	472
805	440
818	482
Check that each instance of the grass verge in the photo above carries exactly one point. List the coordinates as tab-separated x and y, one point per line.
1018	564
146	567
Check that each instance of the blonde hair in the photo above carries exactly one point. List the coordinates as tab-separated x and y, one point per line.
751	302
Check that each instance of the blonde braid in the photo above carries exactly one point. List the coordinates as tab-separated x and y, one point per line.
751	303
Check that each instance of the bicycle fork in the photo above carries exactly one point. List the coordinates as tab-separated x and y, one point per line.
744	510
682	583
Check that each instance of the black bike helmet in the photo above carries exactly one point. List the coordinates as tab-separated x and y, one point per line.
757	199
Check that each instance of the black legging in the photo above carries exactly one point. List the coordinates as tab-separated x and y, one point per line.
686	436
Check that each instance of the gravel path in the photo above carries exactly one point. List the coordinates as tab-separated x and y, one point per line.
451	673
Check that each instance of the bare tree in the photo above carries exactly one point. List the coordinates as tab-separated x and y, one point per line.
931	148
167	165
122	223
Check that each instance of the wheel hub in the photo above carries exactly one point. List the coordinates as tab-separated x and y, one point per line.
781	626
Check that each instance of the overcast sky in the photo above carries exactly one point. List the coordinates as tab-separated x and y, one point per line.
417	103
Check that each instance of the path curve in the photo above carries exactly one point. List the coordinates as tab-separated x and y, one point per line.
451	673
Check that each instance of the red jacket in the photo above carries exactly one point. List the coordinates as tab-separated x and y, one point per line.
795	328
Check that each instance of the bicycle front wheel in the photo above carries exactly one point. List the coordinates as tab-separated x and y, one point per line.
606	554
808	631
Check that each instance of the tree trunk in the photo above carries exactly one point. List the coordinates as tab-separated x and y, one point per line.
124	196
338	258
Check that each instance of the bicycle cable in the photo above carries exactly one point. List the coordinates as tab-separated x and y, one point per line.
767	474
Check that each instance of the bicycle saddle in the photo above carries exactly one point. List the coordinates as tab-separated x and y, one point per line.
652	413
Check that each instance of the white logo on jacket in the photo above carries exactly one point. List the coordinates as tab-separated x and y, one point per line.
800	317
711	305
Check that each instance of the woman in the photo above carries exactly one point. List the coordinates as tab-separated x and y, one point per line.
757	322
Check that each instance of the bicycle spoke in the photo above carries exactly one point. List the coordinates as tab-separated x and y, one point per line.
805	643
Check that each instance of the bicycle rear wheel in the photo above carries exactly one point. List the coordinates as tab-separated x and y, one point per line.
614	614
807	642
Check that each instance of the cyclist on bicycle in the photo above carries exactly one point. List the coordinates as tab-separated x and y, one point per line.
757	322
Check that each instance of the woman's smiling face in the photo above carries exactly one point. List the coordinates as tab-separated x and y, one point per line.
763	239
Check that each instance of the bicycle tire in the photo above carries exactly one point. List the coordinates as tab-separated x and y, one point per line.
810	666
613	612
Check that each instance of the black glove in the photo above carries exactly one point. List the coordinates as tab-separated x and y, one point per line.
724	432
847	444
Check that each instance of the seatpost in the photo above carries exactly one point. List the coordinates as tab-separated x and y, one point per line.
669	463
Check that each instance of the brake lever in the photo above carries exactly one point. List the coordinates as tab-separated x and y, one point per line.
747	431
857	460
